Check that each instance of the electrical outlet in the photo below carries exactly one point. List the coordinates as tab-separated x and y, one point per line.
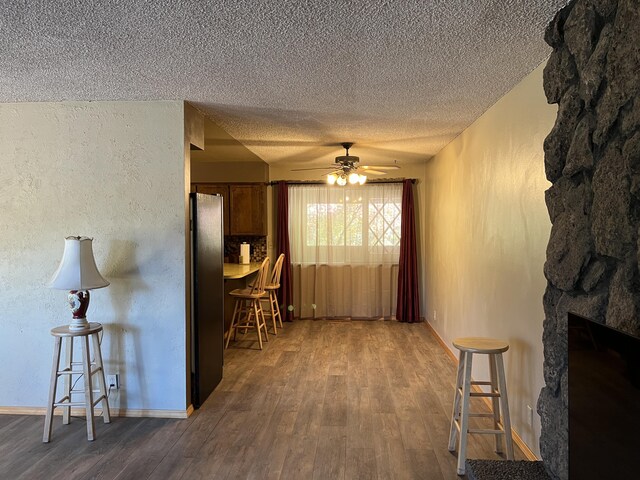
530	412
113	381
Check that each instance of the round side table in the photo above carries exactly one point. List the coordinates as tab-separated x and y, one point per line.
87	368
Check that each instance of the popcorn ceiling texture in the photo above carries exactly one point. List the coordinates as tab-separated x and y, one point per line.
401	79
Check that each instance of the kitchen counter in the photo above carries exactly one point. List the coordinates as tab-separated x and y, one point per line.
237	270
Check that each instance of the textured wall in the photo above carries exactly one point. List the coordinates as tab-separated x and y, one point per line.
113	171
486	228
223	171
592	156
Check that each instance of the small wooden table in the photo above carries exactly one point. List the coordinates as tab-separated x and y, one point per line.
89	369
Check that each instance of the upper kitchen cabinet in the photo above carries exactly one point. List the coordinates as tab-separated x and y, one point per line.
248	209
245	210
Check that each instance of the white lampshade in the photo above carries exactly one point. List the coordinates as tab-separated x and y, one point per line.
331	178
353	178
77	270
342	180
362	179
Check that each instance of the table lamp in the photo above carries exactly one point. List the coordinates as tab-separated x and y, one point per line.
78	273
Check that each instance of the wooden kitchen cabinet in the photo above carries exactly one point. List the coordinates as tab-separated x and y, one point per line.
245	206
248	209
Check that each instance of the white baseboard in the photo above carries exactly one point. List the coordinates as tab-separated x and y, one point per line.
116	412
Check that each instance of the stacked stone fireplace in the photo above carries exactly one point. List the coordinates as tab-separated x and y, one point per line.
592	159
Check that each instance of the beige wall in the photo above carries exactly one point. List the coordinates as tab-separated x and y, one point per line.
486	233
223	159
228	172
113	171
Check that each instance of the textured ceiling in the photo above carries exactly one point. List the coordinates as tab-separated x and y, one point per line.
286	78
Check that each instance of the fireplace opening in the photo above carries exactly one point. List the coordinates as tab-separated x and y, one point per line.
604	401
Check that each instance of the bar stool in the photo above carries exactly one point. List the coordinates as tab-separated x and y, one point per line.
89	369
247	311
271	294
498	394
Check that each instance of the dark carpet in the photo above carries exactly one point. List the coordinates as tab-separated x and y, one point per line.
505	470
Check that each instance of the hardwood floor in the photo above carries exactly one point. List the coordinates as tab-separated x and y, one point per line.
323	400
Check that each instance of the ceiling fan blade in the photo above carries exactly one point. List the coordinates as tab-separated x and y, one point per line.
380	167
373	172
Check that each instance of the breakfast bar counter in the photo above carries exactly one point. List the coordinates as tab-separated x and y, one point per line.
233	271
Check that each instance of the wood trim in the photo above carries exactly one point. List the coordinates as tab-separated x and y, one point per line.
444	345
523	446
516	438
117	412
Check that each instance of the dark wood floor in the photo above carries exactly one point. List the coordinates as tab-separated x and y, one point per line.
324	400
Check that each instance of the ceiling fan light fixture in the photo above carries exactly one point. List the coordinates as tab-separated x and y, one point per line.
346	168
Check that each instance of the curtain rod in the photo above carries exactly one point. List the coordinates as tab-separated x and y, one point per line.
320	182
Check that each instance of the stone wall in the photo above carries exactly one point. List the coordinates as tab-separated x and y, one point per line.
592	158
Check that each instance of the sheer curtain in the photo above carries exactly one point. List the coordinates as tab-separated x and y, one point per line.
345	244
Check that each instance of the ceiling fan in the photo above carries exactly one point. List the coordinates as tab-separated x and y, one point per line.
347	168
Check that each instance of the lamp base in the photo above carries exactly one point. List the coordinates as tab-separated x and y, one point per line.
79	303
78	324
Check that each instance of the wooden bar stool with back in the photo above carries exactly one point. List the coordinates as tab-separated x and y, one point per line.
247	311
271	294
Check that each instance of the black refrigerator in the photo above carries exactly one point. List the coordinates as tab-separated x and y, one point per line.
207	295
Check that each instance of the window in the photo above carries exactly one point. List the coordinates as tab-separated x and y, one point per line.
347	225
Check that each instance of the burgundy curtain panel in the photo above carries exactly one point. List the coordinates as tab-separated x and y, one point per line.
408	306
282	244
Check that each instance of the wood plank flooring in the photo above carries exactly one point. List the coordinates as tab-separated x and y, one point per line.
324	400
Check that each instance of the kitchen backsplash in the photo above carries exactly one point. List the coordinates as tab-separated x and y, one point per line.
232	247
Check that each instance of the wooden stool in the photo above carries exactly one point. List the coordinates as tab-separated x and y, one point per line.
89	369
498	394
247	312
271	294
